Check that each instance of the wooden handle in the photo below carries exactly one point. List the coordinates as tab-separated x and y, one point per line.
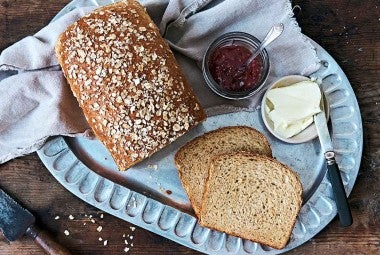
46	242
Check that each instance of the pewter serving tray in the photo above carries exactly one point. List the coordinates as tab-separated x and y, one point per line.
151	196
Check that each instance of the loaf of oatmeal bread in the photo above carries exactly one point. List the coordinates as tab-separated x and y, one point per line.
127	81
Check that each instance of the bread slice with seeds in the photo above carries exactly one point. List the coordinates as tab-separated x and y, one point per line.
193	159
251	196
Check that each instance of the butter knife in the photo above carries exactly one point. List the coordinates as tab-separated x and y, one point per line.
343	208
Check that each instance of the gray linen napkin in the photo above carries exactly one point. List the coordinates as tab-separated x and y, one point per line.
36	102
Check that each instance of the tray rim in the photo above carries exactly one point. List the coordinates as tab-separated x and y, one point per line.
188	222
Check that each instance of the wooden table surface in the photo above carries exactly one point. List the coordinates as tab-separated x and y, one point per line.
348	30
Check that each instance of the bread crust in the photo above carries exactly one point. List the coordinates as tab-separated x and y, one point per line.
258	157
127	81
180	165
222	129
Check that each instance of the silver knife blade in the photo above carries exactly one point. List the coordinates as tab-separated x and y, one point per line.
320	122
323	131
14	219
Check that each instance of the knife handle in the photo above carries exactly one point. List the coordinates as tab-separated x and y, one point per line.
46	242
343	208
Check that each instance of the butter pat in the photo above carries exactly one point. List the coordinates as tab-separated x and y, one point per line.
291	108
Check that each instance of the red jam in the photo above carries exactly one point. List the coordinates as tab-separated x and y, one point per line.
224	65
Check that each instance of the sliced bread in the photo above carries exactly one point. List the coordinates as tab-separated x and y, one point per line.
251	196
194	158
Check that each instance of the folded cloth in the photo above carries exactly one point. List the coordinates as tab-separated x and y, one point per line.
36	102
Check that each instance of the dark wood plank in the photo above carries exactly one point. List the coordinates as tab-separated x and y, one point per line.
348	30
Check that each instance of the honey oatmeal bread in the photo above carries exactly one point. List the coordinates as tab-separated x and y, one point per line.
127	82
251	196
194	158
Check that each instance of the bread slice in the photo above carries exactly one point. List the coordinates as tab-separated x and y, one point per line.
194	158
251	196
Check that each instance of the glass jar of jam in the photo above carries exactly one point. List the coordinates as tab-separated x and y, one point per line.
223	61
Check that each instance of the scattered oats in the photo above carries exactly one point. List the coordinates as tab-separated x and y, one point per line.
66	232
126	249
112	36
123	235
56	218
132	228
100	239
105	242
131	244
84	224
71	217
131	237
136	81
126	242
90	216
92	220
155	167
101	216
99	228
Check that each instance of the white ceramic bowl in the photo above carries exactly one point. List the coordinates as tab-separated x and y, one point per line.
305	135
